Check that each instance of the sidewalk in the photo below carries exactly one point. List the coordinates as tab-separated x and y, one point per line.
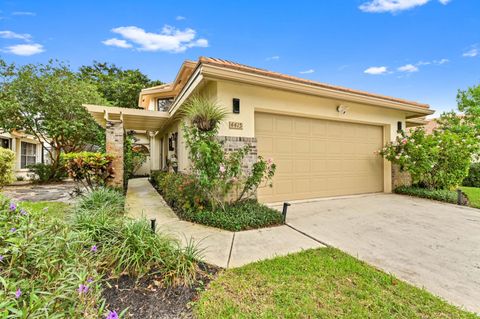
219	247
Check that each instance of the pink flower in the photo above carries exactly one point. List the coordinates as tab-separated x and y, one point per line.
270	160
94	248
222	169
18	293
404	141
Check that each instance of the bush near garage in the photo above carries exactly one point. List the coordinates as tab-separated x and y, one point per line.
181	192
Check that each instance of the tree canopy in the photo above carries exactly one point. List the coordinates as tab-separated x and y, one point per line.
118	86
45	100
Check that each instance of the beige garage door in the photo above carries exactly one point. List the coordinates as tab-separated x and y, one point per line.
319	158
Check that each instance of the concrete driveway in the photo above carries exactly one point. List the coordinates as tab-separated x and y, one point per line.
429	244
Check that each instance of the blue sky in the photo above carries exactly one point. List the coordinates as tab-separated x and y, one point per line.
423	50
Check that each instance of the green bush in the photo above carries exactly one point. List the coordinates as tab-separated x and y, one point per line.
44	173
103	199
7	163
442	195
54	268
473	178
243	215
43	264
129	246
181	193
92	170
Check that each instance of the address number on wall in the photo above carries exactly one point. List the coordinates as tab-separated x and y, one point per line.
235	125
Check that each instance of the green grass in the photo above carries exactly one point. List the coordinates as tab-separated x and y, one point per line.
320	283
473	194
54	209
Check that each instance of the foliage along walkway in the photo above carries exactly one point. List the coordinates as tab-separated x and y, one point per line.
219	247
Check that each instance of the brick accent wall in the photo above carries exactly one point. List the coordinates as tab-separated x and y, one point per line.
232	143
400	178
114	135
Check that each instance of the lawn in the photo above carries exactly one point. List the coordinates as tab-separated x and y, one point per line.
320	283
54	209
473	194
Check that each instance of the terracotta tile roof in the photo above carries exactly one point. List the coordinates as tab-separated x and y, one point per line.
246	68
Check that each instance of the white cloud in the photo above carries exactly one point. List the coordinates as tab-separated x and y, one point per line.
376	70
179	18
114	42
440	62
170	39
408	68
471	53
379	6
12	35
25	49
24	13
309	71
273	58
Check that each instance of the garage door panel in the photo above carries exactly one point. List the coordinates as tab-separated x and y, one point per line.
318	158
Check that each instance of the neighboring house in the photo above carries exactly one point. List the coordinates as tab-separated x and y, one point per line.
28	150
323	138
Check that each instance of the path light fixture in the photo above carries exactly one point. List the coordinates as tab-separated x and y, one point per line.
153	224
284	212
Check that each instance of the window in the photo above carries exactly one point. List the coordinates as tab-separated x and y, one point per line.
28	154
164	104
5	142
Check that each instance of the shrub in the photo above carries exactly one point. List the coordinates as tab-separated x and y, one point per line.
7	163
437	161
243	215
219	174
103	199
442	195
181	192
44	173
43	264
92	170
473	178
128	246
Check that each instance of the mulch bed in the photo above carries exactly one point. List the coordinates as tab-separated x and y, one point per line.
147	298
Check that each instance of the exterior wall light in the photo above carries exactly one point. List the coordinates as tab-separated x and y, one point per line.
236	106
342	109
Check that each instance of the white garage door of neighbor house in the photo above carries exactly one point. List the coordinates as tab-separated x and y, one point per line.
318	158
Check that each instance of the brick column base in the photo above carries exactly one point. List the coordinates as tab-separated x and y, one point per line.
114	136
232	143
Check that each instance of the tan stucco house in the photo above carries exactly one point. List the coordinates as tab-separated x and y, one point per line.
28	150
323	138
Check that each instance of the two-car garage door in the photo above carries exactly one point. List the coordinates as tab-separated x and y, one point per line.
319	158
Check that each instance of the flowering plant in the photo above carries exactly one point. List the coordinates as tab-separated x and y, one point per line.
437	161
221	175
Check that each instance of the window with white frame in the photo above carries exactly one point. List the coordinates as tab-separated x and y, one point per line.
28	154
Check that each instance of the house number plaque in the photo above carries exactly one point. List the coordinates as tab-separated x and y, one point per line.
235	125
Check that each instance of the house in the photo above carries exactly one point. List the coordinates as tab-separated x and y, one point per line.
28	150
322	137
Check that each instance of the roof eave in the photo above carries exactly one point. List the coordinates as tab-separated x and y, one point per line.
211	71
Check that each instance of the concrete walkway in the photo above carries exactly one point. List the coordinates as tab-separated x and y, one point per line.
219	247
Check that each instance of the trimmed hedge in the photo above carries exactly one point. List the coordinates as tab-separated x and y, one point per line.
180	192
442	195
